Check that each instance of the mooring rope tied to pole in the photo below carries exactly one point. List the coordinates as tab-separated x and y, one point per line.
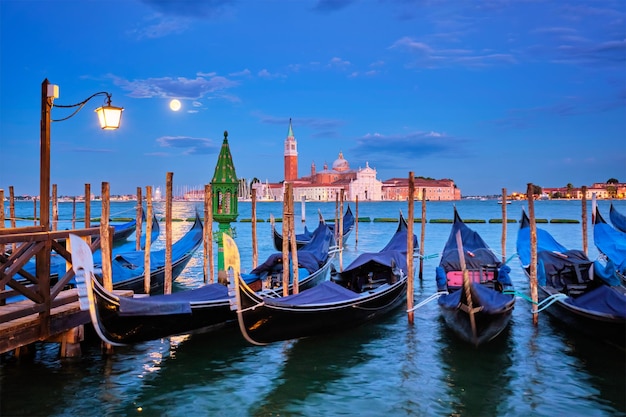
428	300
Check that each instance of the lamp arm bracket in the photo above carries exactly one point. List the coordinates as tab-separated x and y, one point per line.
80	105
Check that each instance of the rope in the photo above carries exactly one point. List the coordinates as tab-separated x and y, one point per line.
550	300
432	255
544	304
428	300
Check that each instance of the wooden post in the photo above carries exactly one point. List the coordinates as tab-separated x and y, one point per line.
139	220
303	208
55	208
356	225
584	218
44	158
35	211
423	233
255	249
340	228
73	212
2	246
208	267
466	285
286	240
12	214
167	284
2	220
88	210
105	238
504	225
337	214
533	252
292	240
409	249
146	249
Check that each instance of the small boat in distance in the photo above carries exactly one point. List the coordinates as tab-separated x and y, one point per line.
303	238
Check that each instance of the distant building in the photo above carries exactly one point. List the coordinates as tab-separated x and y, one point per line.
436	190
601	190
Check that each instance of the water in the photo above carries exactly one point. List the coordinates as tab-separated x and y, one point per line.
383	368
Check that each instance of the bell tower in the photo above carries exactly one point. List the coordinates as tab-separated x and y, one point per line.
291	156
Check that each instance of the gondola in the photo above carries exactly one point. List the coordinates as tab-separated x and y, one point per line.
617	219
373	285
574	285
611	244
128	267
479	310
127	320
303	238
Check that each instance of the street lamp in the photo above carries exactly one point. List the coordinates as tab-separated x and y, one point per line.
109	117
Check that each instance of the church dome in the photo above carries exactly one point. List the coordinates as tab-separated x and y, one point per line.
341	164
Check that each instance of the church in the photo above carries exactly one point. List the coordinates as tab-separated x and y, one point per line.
361	183
326	184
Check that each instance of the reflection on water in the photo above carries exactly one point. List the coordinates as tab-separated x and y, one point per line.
383	368
477	379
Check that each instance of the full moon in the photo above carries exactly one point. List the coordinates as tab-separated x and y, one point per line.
175	105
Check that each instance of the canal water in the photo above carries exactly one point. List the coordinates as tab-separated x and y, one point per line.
388	368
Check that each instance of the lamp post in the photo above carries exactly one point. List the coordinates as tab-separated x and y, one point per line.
109	117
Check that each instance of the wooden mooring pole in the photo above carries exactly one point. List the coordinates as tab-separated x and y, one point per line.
208	265
286	232
292	240
340	228
422	233
255	248
504	225
12	214
146	249
533	252
55	208
410	249
139	221
87	218
356	225
584	218
167	285
73	212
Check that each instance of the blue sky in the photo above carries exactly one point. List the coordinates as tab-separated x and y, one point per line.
491	94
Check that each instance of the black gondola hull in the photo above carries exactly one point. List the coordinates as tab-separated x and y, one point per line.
488	326
267	323
597	326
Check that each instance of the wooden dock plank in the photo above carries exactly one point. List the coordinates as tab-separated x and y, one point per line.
20	331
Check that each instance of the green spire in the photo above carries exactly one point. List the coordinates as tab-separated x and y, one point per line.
225	169
290	133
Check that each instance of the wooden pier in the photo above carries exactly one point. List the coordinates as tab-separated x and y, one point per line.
34	308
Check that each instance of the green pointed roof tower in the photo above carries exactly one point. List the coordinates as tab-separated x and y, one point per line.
224	186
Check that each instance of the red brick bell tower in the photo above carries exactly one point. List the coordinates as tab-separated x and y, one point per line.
291	156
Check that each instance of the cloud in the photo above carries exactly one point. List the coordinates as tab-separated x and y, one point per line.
190	8
161	28
569	46
338	63
180	87
402	151
326	6
427	56
191	146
